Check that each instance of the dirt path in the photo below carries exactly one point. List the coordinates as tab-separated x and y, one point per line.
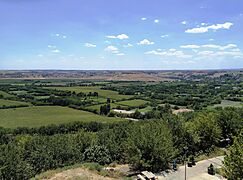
198	172
78	174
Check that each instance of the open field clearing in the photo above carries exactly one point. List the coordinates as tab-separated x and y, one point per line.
46	115
5	95
19	92
104	93
97	107
135	102
144	110
4	102
227	103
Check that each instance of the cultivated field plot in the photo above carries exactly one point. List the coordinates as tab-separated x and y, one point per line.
97	107
46	115
86	89
5	95
226	103
7	103
133	103
146	109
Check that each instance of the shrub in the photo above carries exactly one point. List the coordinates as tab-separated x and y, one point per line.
99	154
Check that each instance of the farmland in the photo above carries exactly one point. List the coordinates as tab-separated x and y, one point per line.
227	103
103	93
46	115
133	103
4	102
4	94
133	121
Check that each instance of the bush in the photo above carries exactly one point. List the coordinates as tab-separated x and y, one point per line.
99	154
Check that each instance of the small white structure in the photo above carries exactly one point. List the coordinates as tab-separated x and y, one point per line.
145	175
123	111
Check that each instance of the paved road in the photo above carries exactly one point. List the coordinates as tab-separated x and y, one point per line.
198	172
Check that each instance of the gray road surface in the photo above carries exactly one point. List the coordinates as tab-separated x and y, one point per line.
198	172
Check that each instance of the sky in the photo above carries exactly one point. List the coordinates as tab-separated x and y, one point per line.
121	35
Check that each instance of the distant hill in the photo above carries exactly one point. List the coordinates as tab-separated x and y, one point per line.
126	75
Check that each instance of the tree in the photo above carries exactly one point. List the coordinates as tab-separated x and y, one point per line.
150	146
233	161
204	130
99	154
230	121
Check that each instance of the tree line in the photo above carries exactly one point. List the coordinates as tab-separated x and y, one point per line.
145	145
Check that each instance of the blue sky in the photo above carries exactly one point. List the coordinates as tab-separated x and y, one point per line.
127	34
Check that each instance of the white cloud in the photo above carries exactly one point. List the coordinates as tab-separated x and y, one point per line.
51	46
190	46
226	25
211	39
205	53
56	51
156	21
89	45
164	36
220	54
172	50
169	53
145	42
107	42
120	54
112	49
184	22
57	35
64	37
127	45
228	46
236	50
120	36
212	46
40	55
144	19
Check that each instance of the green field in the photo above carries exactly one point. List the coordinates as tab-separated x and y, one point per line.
97	107
227	103
86	89
5	95
133	103
41	97
19	92
4	102
46	115
144	110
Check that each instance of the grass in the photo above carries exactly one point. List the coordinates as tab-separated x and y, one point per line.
37	116
4	102
227	103
94	169
50	173
19	92
97	107
5	95
133	103
41	97
86	89
148	108
215	153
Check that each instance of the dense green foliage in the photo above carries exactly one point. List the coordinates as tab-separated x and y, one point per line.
57	130
233	161
149	145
